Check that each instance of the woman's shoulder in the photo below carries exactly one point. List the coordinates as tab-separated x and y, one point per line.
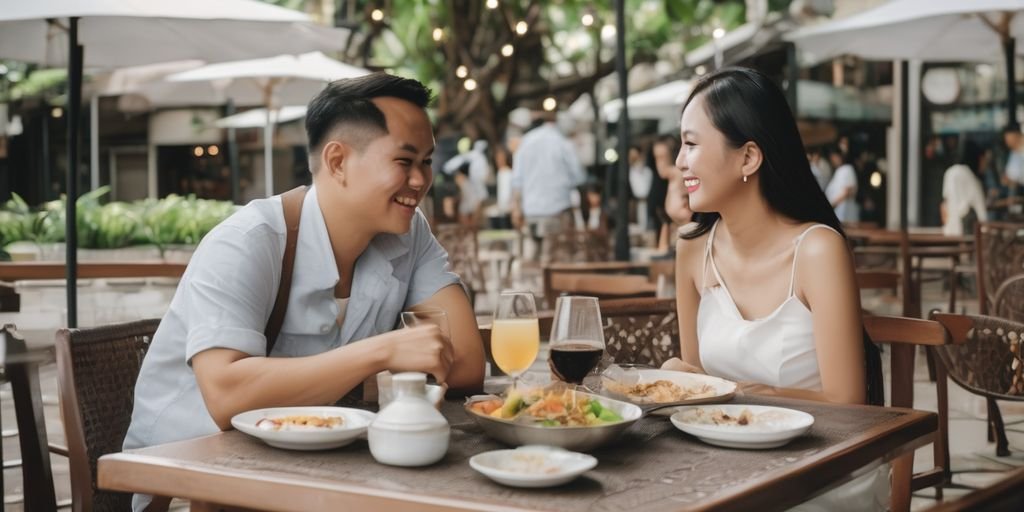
690	249
821	241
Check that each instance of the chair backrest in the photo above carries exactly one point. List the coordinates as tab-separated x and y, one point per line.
463	249
97	369
985	357
579	246
1008	301
999	253
903	334
640	331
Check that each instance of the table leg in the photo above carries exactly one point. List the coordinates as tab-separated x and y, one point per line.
902	471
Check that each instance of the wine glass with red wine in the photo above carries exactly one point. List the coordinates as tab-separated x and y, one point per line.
577	338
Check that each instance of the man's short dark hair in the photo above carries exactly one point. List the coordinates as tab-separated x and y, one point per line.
348	101
1011	128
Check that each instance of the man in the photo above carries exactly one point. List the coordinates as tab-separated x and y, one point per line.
360	237
545	171
1014	160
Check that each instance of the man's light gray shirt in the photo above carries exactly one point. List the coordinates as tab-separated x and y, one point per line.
227	293
545	170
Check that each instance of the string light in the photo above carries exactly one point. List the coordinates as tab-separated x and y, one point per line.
56	112
197	151
608	32
550	103
377	15
700	70
522	27
213	150
508	50
461	72
469	84
438	34
492	4
876	179
611	155
718	33
588	20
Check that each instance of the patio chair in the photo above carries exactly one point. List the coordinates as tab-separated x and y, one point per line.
461	244
999	253
1008	301
640	331
986	359
904	335
97	369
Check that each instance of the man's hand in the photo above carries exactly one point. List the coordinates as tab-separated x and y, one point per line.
423	348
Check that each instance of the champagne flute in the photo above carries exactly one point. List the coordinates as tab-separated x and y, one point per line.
515	334
577	338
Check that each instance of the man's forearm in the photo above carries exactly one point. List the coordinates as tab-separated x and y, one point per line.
248	383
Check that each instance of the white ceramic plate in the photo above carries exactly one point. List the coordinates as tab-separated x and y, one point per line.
532	465
721	390
770	428
354	423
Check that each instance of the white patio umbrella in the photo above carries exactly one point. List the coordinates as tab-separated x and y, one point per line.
257	117
117	33
661	102
282	79
922	30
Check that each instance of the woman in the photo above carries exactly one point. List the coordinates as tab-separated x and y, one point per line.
668	203
765	282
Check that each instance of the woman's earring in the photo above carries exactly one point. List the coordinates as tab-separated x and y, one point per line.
744	178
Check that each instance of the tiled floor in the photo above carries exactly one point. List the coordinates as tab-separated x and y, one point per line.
969	448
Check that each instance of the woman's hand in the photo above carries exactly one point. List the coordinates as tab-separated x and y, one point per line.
678	365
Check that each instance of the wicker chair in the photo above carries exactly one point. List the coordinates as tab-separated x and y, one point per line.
986	359
461	244
640	331
97	369
579	246
999	252
1008	301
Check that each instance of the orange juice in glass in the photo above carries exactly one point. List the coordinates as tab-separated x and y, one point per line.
515	334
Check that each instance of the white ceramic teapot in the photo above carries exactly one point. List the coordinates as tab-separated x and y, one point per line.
409	431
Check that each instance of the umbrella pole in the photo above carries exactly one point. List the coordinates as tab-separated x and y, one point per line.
268	153
236	193
622	211
74	112
1009	47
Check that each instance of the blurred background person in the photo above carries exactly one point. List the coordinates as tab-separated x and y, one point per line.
842	188
640	179
469	198
479	167
963	200
545	171
822	172
503	186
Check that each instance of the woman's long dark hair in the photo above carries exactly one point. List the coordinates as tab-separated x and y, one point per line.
746	106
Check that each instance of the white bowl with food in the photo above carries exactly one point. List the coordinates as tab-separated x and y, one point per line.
652	387
743	426
532	466
304	428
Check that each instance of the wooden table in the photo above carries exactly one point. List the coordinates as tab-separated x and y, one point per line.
652	467
22	270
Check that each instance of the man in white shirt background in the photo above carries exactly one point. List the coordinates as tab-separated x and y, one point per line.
545	171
